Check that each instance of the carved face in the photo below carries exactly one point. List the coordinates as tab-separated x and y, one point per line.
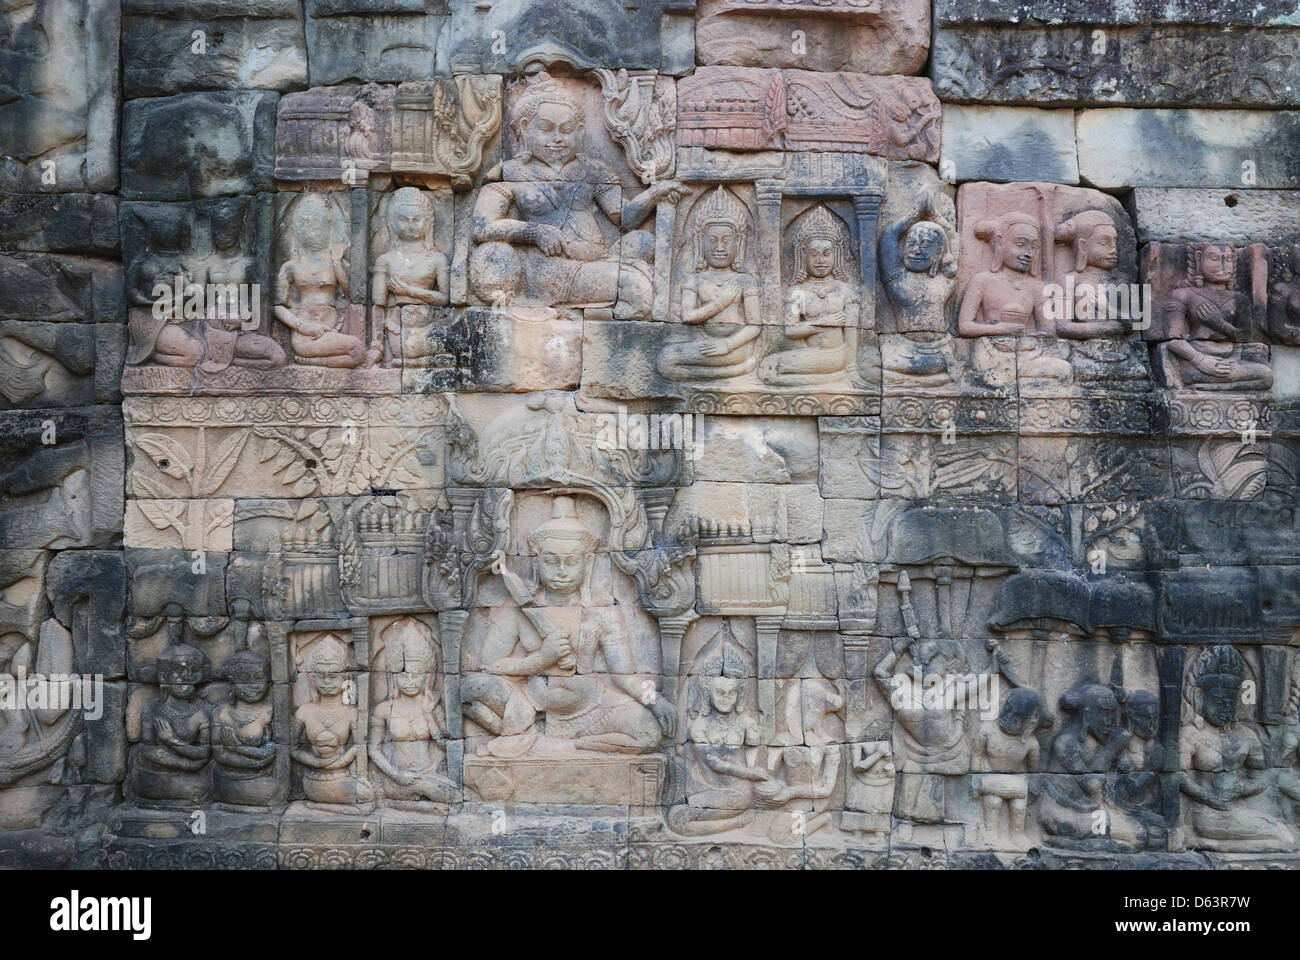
1219	264
410	222
821	258
413	676
724	693
1103	717
312	224
552	134
1019	245
1144	716
720	246
1102	247
250	683
922	245
327	679
1014	720
562	564
1219	699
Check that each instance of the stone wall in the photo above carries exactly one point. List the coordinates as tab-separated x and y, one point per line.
801	433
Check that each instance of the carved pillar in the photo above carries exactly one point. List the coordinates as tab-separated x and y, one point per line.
665	220
671	631
866	209
768	628
451	627
768	247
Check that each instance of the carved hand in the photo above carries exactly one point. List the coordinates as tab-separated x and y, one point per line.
549	240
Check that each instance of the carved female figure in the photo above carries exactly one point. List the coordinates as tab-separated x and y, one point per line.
244	751
821	306
412	272
722	746
1007	300
327	725
157	333
1284	297
1101	351
719	296
539	231
918	270
169	764
307	287
1224	777
1203	315
405	728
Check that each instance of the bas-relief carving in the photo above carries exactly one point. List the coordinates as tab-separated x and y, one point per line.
424	605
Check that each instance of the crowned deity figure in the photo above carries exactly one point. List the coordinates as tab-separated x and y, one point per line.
169	764
1007	300
407	728
1230	804
821	307
326	736
410	277
719	296
1204	317
552	651
244	750
307	289
542	232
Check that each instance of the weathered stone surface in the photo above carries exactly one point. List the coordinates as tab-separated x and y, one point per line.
198	145
179	48
500	37
1235	216
1008	143
381	41
1139	66
1189	148
60	116
55	288
889	37
62	223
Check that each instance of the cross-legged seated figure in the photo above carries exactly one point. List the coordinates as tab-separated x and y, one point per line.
719	298
551	215
553	651
821	307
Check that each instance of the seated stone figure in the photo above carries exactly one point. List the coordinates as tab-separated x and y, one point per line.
821	307
539	230
1284	297
327	725
554	651
405	728
918	271
169	764
307	287
1229	804
1007	301
1100	349
244	750
1203	315
413	272
720	770
719	297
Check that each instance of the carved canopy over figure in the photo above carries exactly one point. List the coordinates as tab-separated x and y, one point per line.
541	231
720	297
553	650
